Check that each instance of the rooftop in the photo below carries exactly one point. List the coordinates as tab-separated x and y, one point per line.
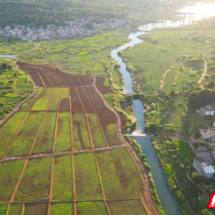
208	169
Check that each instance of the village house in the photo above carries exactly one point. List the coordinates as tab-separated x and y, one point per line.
203	168
207	134
207	111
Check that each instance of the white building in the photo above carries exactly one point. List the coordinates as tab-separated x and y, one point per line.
207	111
202	167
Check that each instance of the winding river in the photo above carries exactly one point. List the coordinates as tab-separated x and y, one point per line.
168	200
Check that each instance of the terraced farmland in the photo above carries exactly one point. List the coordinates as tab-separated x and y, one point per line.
61	153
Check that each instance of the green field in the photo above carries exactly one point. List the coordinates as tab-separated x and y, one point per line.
35	182
62	209
62	183
86	178
127	208
9	173
111	183
128	172
45	140
55	99
15	209
65	94
185	150
89	208
95	128
8	130
81	138
63	140
37	209
42	101
23	141
27	105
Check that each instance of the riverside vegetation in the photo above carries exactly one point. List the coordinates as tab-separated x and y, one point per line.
166	69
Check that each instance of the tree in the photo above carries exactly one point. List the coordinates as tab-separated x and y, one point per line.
206	212
196	176
197	134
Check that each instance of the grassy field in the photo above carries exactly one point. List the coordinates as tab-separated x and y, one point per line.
185	150
62	183
95	128
9	173
55	99
45	140
35	181
127	208
86	178
42	101
81	138
27	105
15	209
39	209
112	185
127	172
62	209
23	141
9	129
89	208
63	140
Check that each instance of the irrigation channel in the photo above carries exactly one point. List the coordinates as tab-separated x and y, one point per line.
168	200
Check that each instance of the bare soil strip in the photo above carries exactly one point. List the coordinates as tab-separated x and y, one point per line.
38	83
205	70
76	103
162	81
85	101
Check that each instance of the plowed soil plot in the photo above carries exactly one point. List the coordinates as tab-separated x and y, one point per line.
62	182
86	178
91	208
81	138
64	105
36	209
53	106
8	130
45	79
45	139
27	105
15	209
95	99
85	101
109	126
86	80
111	182
23	141
76	103
9	174
105	90
62	209
127	172
63	140
75	80
127	208
100	81
35	182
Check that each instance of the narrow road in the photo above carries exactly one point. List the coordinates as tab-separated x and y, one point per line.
206	68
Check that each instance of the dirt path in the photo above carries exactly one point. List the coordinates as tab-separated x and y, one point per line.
205	70
162	81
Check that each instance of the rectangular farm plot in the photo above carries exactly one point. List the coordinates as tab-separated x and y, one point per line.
63	140
36	209
76	102
62	186
109	125
23	141
9	129
45	140
54	103
15	209
81	138
96	100
42	101
87	105
127	172
35	183
86	178
96	130
9	174
127	208
62	209
91	208
111	183
64	103
28	104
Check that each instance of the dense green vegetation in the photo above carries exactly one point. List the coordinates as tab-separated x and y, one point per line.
55	99
62	208
88	208
14	86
